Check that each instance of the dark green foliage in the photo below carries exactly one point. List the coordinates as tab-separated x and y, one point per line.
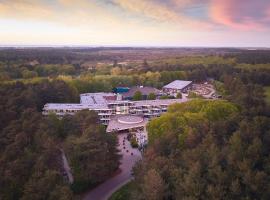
167	97
134	142
92	153
193	95
151	96
30	144
199	150
179	95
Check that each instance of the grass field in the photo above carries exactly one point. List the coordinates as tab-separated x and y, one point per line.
123	193
267	94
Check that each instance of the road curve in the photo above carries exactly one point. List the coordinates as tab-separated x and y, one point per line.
106	189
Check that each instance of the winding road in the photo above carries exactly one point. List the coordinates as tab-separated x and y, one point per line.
106	189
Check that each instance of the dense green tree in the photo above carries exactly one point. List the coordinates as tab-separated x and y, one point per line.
179	95
208	150
92	153
31	165
137	96
153	186
151	96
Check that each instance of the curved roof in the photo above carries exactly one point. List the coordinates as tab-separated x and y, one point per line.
125	122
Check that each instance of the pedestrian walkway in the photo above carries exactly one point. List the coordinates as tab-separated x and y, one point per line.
66	167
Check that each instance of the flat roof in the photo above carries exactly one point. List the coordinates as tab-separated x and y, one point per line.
178	84
98	101
158	102
125	122
76	106
73	106
95	98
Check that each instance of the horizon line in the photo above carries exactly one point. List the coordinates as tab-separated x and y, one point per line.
127	46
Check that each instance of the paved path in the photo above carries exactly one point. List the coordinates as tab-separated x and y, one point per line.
106	189
66	167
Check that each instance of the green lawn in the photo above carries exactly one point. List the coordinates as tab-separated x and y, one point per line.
267	93
123	193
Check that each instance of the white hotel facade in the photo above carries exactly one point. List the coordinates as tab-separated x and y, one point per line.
109	104
122	116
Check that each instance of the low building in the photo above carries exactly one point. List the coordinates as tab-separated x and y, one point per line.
106	105
144	90
177	86
152	108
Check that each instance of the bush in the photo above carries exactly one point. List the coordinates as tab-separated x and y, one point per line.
137	96
151	96
179	95
81	186
134	142
194	95
167	97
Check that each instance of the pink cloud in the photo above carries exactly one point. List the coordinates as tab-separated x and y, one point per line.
241	14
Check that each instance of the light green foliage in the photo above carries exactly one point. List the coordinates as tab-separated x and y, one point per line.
218	110
193	95
196	60
267	94
253	66
169	76
188	117
116	71
29	74
219	86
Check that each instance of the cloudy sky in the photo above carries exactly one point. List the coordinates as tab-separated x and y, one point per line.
135	22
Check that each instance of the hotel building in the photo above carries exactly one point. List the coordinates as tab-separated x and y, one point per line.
109	104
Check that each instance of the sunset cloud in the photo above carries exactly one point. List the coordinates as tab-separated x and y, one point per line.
235	14
140	21
164	12
241	14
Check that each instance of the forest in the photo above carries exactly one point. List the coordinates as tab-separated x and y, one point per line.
31	144
197	150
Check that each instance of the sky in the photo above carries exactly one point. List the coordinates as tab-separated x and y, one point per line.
176	23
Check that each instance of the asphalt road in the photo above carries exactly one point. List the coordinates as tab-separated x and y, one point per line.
106	189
